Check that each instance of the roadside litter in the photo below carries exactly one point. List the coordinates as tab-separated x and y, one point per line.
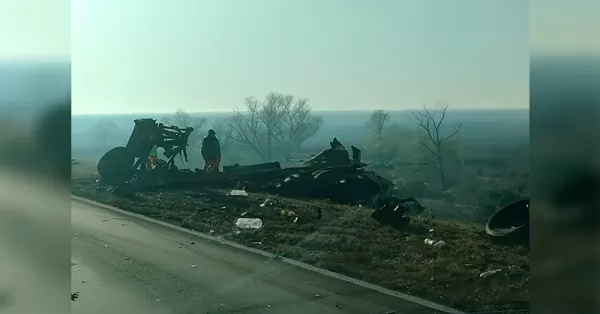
489	273
238	193
268	202
435	244
288	213
248	223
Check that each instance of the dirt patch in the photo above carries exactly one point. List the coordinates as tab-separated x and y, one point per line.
345	240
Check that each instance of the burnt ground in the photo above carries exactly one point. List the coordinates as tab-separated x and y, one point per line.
345	240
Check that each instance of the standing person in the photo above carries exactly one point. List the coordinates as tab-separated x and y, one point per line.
152	158
211	152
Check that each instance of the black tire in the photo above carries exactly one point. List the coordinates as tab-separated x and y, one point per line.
116	166
510	225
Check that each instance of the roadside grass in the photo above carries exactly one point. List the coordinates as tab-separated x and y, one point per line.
347	241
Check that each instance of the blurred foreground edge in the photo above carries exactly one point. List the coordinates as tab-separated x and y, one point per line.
565	148
35	210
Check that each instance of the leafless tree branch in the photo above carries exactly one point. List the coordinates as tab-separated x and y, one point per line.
431	122
183	119
275	121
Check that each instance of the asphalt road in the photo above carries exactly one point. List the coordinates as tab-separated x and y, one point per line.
123	264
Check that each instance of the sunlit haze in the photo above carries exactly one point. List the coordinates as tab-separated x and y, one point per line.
156	56
34	30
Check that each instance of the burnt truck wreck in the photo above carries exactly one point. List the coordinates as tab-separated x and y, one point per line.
332	174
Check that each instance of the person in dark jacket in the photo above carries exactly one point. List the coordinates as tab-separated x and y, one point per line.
211	151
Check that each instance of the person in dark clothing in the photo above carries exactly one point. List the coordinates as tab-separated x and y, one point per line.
335	144
211	152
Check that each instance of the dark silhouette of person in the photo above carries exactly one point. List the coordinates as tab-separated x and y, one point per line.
211	152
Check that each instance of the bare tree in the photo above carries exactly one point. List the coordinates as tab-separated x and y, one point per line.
431	123
298	124
183	119
377	123
104	130
276	120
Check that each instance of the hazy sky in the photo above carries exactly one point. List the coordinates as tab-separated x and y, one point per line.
156	55
34	29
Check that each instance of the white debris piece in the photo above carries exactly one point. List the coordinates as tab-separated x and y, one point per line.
238	193
439	244
429	241
489	273
248	223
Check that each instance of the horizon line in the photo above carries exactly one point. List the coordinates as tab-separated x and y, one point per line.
313	110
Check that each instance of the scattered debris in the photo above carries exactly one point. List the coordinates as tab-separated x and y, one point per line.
249	223
268	202
489	273
74	296
391	211
288	213
238	193
435	244
277	257
439	244
193	266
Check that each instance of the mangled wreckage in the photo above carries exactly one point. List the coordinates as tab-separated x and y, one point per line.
332	174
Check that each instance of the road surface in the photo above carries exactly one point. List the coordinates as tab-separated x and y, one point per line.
123	264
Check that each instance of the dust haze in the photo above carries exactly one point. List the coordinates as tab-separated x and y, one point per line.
485	158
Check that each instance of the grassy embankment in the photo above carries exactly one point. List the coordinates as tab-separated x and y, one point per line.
347	241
